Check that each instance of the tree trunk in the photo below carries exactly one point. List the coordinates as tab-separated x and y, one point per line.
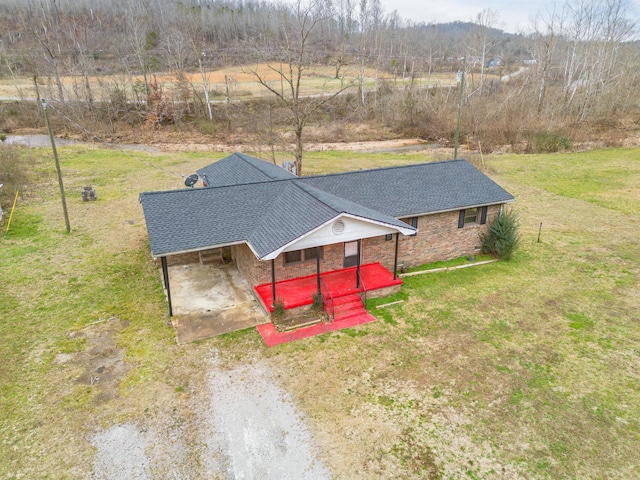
205	88
299	150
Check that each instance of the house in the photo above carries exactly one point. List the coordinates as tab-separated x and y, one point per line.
278	228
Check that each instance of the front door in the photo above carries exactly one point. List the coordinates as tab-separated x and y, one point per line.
350	254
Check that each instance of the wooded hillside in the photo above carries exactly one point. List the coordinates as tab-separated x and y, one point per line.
225	67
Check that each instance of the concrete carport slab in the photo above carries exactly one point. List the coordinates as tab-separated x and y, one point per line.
211	300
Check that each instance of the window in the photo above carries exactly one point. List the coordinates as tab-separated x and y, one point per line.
299	256
472	215
413	221
310	253
388	236
293	257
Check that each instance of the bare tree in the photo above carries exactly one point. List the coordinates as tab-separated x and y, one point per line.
547	27
483	40
295	55
142	39
49	37
596	31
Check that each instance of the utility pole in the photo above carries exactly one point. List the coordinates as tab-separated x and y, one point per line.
464	64
43	102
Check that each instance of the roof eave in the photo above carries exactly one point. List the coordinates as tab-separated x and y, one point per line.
196	249
435	212
408	230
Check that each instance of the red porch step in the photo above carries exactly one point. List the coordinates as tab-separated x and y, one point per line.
348	306
349	312
272	337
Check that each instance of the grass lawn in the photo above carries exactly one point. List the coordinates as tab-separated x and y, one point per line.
521	369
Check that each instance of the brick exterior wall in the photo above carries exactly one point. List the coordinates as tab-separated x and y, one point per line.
194	257
438	238
257	272
182	259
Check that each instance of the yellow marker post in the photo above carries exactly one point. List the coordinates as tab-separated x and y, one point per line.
11	214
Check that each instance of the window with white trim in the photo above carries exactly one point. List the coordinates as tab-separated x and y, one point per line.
471	215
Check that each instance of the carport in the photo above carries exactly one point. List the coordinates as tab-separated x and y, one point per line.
209	300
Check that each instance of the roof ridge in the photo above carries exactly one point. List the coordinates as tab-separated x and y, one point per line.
314	196
345	200
334	174
393	167
257	229
200	189
243	157
272	202
248	159
296	178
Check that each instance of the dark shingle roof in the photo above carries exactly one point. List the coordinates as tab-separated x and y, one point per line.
267	215
415	189
191	219
238	169
271	214
300	209
342	205
291	214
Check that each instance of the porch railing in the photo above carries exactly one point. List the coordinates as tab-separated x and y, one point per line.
363	289
327	300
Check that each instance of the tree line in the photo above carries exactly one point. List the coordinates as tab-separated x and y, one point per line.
574	71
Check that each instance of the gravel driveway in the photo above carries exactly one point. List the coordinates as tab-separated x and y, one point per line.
250	429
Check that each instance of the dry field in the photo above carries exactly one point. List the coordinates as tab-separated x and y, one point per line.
240	81
521	369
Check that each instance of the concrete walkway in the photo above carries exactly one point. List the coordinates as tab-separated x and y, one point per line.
211	300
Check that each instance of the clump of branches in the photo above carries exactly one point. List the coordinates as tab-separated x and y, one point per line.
13	173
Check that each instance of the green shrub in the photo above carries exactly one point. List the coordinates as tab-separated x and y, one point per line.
206	127
318	301
278	309
502	238
549	142
14	172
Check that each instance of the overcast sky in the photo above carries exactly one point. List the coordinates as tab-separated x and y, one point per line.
515	15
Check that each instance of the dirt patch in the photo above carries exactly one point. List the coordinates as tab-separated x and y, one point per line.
101	361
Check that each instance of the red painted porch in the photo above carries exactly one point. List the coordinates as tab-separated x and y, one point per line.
298	292
348	308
